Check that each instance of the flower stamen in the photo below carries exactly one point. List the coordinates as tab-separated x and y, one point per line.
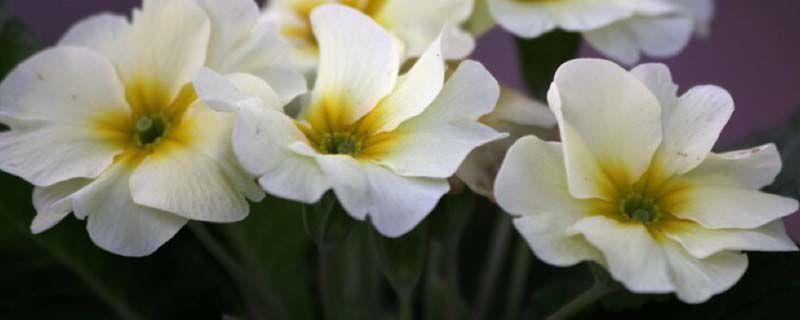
150	129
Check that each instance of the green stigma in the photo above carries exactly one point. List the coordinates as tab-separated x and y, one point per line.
340	143
639	208
150	129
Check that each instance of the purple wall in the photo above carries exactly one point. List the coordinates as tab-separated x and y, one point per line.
753	52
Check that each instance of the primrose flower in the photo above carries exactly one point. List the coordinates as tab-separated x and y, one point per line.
108	125
517	115
635	187
413	24
385	144
620	29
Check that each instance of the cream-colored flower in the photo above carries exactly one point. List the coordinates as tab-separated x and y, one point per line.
413	24
517	115
635	187
620	29
107	124
385	144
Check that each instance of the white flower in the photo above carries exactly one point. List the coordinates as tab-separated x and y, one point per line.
414	24
517	115
620	29
107	124
635	187
385	144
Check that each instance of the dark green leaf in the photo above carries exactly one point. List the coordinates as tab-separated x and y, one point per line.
401	260
326	222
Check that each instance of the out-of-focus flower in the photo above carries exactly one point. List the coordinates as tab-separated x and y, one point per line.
517	115
413	24
385	144
635	187
107	124
620	29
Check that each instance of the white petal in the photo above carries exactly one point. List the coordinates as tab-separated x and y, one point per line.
658	79
231	23
414	92
529	20
398	204
615	41
261	140
516	108
65	85
435	143
703	243
168	45
188	183
418	23
719	207
358	63
53	204
51	154
265	55
697	280
349	183
609	121
752	168
532	185
104	33
116	223
632	255
692	128
703	13
234	91
662	37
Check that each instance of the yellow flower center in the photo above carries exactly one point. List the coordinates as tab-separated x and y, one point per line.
640	208
150	121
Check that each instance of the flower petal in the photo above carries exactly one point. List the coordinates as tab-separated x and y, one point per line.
266	56
157	67
658	79
53	204
261	140
47	155
116	223
398	204
418	23
720	207
659	37
435	143
414	92
358	65
349	183
692	128
752	168
610	124
697	280
532	185
531	19
632	255
104	33
234	91
64	85
231	23
703	243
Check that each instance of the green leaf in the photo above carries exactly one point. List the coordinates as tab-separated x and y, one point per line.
402	259
540	58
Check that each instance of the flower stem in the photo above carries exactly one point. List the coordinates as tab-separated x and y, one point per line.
499	251
519	278
257	299
599	290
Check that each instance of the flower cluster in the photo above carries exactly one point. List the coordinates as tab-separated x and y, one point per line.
193	107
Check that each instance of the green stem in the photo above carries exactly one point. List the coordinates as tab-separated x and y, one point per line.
519	278
407	306
499	251
599	290
251	292
325	290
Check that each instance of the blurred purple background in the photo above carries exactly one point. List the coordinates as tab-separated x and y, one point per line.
753	52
